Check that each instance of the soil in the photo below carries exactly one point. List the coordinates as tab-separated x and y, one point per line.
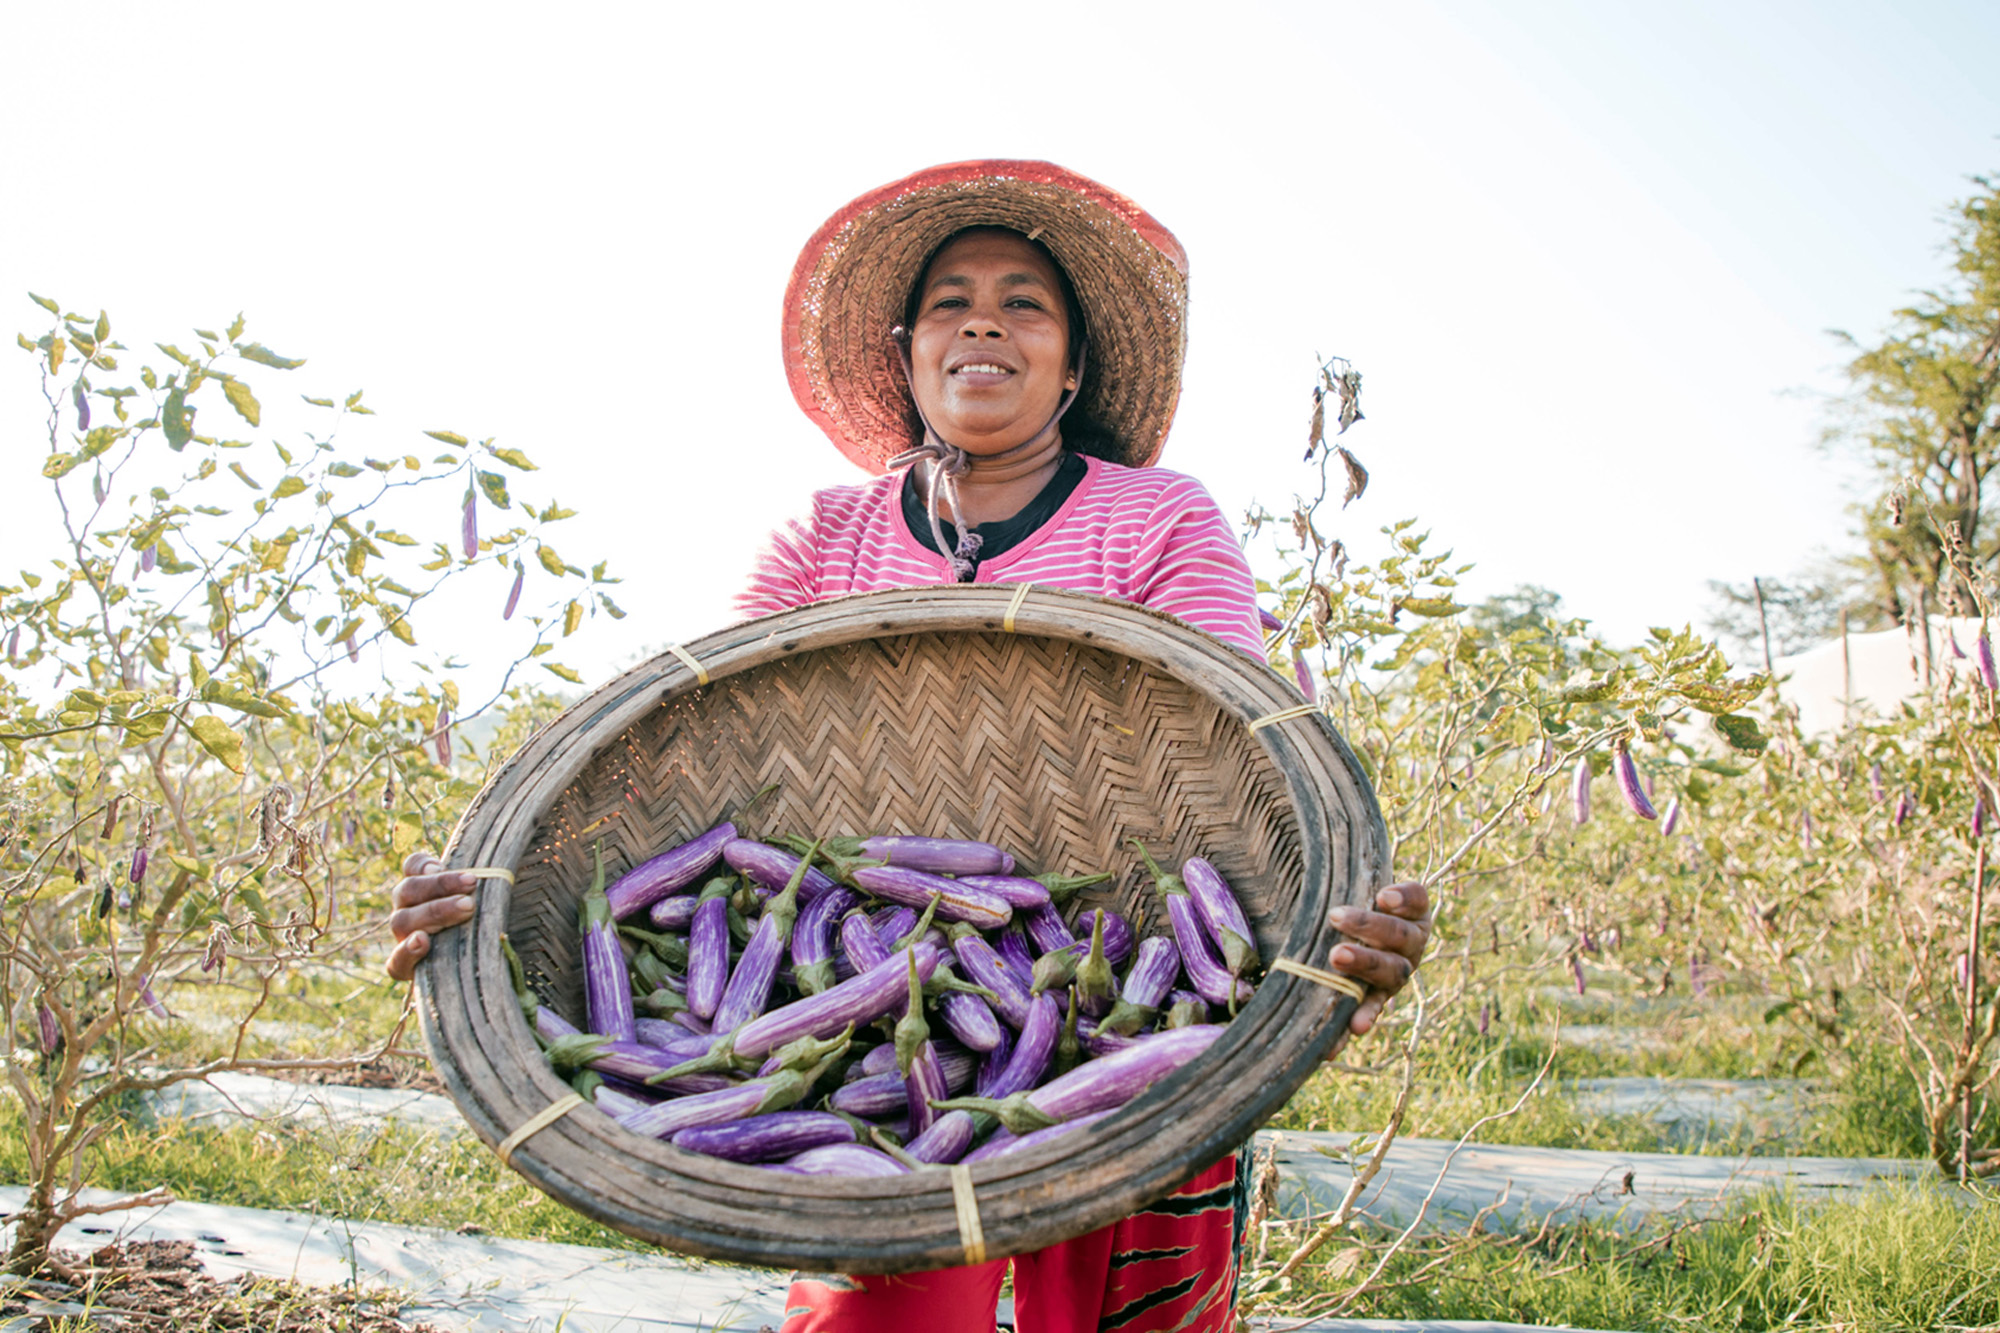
151	1285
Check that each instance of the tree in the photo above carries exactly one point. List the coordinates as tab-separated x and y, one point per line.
1926	418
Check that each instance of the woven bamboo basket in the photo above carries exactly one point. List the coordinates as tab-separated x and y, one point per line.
1053	724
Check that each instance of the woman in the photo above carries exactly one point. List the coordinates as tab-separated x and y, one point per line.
1001	342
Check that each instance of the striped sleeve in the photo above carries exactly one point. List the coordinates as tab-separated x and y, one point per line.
1196	571
784	573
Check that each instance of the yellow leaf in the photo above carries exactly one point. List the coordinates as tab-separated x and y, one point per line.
239	396
395	622
264	356
245	477
551	561
565	672
572	617
58	465
448	437
288	486
513	458
220	740
409	828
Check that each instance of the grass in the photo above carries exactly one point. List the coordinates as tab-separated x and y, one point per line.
1894	1258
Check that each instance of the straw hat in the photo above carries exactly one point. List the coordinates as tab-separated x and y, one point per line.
851	282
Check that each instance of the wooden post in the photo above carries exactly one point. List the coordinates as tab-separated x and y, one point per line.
1924	615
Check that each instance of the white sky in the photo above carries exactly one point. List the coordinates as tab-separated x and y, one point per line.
1583	253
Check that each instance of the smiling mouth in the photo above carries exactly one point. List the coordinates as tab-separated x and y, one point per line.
981	368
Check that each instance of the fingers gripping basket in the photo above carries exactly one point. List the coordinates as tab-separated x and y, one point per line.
1053	724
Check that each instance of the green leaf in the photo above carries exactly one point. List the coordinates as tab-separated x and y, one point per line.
555	512
242	700
394	537
189	864
236	329
1741	732
146	726
565	672
57	466
245	477
343	470
1779	1010
239	396
572	617
495	488
174	352
264	356
1430	606
288	486
175	418
451	437
611	607
220	740
46	304
551	561
514	458
208	335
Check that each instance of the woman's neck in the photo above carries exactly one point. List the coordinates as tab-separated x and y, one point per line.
996	489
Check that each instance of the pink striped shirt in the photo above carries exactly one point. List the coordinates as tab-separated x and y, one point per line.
1144	535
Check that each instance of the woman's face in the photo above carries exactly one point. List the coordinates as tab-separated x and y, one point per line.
989	349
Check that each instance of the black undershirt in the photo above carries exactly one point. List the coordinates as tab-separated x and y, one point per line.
1003	536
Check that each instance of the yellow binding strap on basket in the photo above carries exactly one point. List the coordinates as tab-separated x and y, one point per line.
1345	985
1283	715
693	662
547	1116
1014	607
487	872
970	1234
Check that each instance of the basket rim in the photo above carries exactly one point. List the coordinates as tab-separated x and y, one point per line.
494	1072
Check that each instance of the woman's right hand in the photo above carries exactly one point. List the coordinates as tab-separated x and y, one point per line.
427	899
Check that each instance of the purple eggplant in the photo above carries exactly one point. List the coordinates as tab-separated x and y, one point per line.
1671	819
50	1029
550	1025
878	1096
845	1159
675	913
1185	1009
773	867
1118	934
916	1059
616	1102
670	1038
767	1138
1215	903
1033	1052
1983	648
1046	929
1213	981
607	995
1303	675
514	593
1580	789
1020	891
749	988
468	526
892	924
1629	784
1100	1085
969	1017
860	941
1152	975
1005	1141
925	1085
941	856
630	1060
137	875
869	996
948	1139
994	1065
916	888
1013	949
1098	1041
812	939
669	872
740	1101
985	967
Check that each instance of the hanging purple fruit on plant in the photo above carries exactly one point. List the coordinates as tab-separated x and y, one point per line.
1987	671
1905	807
82	407
514	593
444	736
1580	789
1979	815
1671	820
1629	784
468	525
1875	791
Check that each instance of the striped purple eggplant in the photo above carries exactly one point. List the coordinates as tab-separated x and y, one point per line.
1020	891
994	1065
860	941
668	1037
1033	1052
1983	648
1046	929
773	867
675	913
514	593
812	939
1153	973
1629	784
845	1159
1215	903
970	1019
468	525
1013	949
958	1062
1006	1141
550	1025
878	1096
607	994
749	988
893	924
709	947
1211	980
616	1102
941	856
1303	675
948	1139
669	872
915	888
767	1138
925	1084
1100	1085
1579	789
1671	819
1270	622
985	967
152	1002
1876	791
756	1097
137	875
630	1060
1905	807
1184	1009
1118	935
869	996
50	1030
1099	1042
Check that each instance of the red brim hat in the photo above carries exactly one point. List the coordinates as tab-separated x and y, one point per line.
852	280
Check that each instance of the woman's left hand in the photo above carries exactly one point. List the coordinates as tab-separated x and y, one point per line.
1383	946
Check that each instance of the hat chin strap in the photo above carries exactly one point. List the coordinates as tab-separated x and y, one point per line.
949	462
